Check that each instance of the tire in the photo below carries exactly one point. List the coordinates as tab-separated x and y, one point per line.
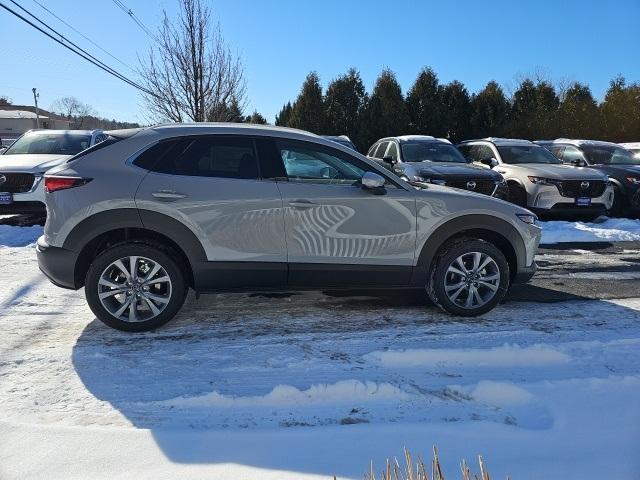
518	195
444	283
165	290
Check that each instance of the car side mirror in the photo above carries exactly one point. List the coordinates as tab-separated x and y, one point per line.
389	159
578	163
489	162
373	183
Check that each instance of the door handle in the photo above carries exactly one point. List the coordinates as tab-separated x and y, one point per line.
302	204
168	195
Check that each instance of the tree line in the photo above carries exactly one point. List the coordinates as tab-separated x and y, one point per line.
536	110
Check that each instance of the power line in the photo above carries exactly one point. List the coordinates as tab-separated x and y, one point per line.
133	17
84	36
77	50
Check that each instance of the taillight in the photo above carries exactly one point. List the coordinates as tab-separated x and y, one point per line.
53	184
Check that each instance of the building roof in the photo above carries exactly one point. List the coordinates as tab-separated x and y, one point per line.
19	114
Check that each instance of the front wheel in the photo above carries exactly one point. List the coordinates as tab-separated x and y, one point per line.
470	277
134	287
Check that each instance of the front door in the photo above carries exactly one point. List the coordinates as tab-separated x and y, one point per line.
337	233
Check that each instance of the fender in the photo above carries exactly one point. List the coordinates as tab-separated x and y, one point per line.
461	224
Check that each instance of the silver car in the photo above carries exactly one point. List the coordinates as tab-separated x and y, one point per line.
24	162
539	181
228	207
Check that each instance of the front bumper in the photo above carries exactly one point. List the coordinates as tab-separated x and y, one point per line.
27	202
547	199
58	264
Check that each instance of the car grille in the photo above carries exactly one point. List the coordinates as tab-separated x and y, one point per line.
575	188
485	187
16	182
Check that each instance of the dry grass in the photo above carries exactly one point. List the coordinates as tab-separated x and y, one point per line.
417	470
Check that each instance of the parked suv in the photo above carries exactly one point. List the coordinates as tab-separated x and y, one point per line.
539	181
219	207
421	159
622	168
23	164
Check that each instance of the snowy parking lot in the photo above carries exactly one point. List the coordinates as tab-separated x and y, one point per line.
312	385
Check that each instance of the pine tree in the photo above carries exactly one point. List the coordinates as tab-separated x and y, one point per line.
308	110
282	118
621	111
424	105
255	118
489	111
457	111
534	111
386	112
578	115
344	102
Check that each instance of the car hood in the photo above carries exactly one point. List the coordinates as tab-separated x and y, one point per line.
32	163
450	169
623	169
561	172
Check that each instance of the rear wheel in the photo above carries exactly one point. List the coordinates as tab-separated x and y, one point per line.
470	277
135	287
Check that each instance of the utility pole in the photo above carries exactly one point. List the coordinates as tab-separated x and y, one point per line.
36	95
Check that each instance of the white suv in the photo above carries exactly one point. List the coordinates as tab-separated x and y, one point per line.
539	181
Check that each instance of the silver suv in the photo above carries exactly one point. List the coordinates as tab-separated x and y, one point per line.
539	181
148	213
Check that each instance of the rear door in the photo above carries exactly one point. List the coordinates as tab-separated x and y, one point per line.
337	233
213	185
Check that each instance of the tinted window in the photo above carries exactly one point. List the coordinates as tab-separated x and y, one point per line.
307	163
466	151
211	157
430	152
49	144
526	154
602	154
381	149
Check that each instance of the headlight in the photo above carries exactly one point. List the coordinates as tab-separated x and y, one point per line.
528	218
634	180
541	181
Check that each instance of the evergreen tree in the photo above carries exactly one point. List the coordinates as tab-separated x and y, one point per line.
578	115
255	118
534	111
457	111
424	105
282	118
344	101
386	112
621	111
308	110
489	111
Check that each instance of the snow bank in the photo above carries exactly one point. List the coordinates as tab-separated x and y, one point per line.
609	230
502	394
11	236
504	356
345	391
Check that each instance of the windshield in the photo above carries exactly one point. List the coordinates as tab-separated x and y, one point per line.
431	152
609	155
49	144
527	154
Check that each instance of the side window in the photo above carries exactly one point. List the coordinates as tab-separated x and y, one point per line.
485	152
572	154
381	149
557	150
465	150
373	149
310	164
392	151
212	156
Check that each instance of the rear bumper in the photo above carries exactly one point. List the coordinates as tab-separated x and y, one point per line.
58	264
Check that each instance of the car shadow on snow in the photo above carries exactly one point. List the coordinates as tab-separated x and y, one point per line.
244	346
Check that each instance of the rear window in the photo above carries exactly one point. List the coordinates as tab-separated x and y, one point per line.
222	157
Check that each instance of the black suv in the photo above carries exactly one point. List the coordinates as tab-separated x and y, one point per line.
421	159
622	168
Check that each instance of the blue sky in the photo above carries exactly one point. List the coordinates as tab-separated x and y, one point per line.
281	41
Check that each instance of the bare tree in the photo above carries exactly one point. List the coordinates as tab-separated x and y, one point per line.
4	101
73	109
191	71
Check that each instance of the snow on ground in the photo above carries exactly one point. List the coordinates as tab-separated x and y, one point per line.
607	230
18	236
309	385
